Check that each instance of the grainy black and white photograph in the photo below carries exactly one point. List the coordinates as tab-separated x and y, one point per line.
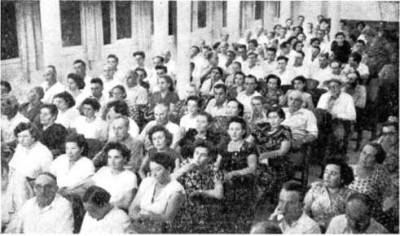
199	117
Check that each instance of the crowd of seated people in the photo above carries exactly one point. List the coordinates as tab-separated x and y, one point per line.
121	152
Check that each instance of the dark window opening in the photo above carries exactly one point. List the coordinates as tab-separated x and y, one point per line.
202	14
224	13
172	18
70	23
106	21
124	22
259	11
9	38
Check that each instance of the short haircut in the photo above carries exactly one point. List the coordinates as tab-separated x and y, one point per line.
346	172
33	130
365	199
278	111
125	152
240	106
164	160
295	187
325	55
97	81
241	46
97	196
53	68
194	98
360	23
91	102
251	77
273	76
80	62
237	63
240	73
317	47
253	41
340	33
361	41
302	53
282	58
324	20
80	140
77	79
299	78
67	97
159	128
296	43
169	80
120	87
380	155
271	49
7	85
142	70
239	120
51	107
113	56
139	53
252	53
356	57
159	57
207	115
160	67
50	175
197	48
220	70
314	40
221	86
120	107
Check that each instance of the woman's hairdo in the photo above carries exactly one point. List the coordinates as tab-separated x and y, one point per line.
33	130
80	140
159	128
97	196
164	160
125	152
67	97
346	172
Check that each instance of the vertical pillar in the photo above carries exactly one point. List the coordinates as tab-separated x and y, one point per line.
233	20
160	42
51	31
183	46
285	10
334	13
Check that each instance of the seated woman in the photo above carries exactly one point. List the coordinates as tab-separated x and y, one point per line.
273	144
31	109
299	84
30	159
118	93
372	178
158	199
67	112
101	216
90	125
272	92
234	108
201	211
161	139
120	183
166	94
238	161
238	84
188	121
327	198
75	87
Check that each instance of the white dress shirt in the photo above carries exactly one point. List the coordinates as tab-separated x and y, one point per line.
137	95
339	225
215	111
96	129
286	76
116	221
8	126
245	99
50	92
301	123
188	122
304	225
343	106
67	117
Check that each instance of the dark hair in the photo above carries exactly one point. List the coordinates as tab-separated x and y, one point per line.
252	53
361	41
113	56
317	47
80	62
241	46
207	115
80	140
326	55
282	58
169	80
159	57
120	107
91	102
141	69
302	53
340	33
7	85
159	67
194	98
139	53
220	70
159	128
313	40
125	152
296	187
356	57
241	121
197	48
97	81
33	130
51	107
365	199
295	45
240	106
221	86
164	160
39	91
237	63
77	79
360	23
272	49
278	111
53	68
67	97
240	73
267	227
48	174
273	76
346	172
252	77
253	41
97	196
299	78
324	20
380	153
120	87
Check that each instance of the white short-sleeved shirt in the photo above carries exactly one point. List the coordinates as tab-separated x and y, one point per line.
97	129
188	122
117	185
66	176
115	221
66	118
50	92
8	126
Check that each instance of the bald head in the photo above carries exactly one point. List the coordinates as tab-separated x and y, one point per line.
161	112
45	189
120	127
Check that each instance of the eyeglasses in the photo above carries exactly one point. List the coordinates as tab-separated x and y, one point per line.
388	133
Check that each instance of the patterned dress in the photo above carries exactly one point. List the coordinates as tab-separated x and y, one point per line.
239	193
199	214
272	177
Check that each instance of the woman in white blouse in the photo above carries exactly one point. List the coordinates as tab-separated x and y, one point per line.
159	197
188	121
66	109
75	87
29	160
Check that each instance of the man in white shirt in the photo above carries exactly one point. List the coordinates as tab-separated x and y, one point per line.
244	97
217	106
169	63
323	72
299	68
108	79
357	218
10	118
250	67
80	69
215	77
135	93
47	213
283	72
51	86
355	64
96	92
289	213
270	64
112	61
155	75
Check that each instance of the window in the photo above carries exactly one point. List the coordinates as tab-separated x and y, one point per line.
70	23
9	40
202	14
123	15
259	11
224	16
106	21
171	17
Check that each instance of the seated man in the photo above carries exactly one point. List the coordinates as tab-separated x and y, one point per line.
244	97
161	114
357	218
10	118
218	105
289	213
120	108
47	213
341	107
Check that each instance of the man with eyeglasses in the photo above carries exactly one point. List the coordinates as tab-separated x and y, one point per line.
357	218
48	212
